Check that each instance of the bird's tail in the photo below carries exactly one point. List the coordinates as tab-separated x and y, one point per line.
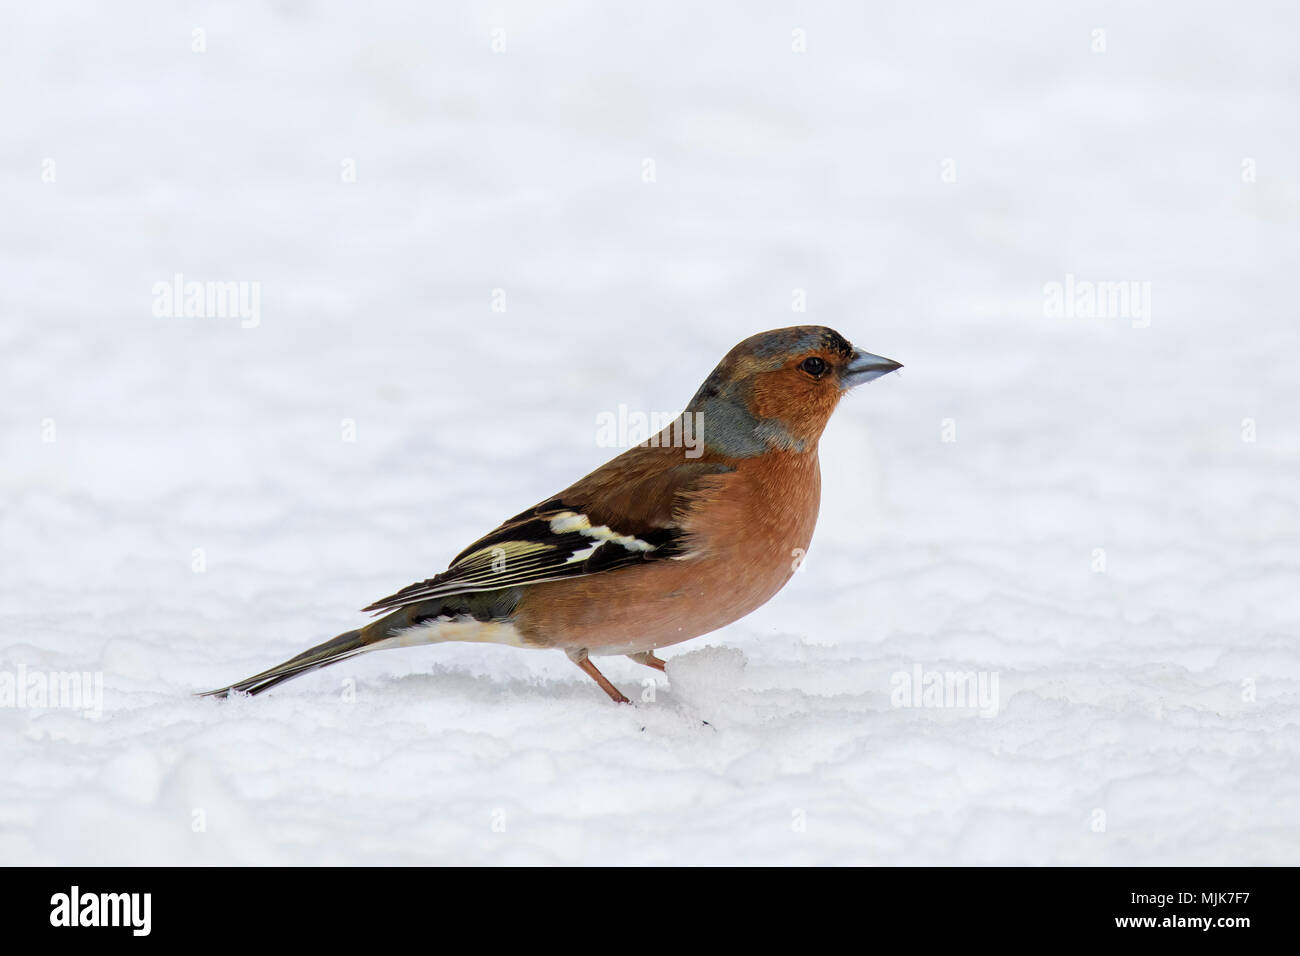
347	644
481	616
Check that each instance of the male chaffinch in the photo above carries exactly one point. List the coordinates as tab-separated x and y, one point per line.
668	541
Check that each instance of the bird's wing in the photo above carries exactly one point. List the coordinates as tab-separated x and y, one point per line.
627	511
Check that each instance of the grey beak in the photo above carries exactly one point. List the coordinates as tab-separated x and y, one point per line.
864	367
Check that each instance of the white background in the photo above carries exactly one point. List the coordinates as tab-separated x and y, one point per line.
1125	695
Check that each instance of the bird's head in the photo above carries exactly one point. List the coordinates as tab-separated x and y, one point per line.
776	390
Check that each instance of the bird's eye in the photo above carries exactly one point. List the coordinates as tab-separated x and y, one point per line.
814	366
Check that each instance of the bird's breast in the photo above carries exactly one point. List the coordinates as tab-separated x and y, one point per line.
747	533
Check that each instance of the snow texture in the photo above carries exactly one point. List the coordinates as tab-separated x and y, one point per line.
1098	512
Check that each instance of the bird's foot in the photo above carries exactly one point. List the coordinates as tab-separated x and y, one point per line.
580	658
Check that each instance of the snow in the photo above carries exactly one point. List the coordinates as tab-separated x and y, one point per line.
180	505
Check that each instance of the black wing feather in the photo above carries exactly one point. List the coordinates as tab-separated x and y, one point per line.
528	550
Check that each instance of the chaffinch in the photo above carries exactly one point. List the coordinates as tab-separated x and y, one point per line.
672	539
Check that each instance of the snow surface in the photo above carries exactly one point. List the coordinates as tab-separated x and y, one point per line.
1147	713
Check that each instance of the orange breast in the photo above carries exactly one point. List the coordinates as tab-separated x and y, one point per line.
747	535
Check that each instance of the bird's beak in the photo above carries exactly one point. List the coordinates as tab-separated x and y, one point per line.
864	367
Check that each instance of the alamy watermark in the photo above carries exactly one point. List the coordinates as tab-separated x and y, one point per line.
133	911
1086	299
961	690
179	299
40	690
625	428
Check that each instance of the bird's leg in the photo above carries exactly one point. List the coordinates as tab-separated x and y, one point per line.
580	658
648	659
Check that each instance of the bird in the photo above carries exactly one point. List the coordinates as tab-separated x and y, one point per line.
680	535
